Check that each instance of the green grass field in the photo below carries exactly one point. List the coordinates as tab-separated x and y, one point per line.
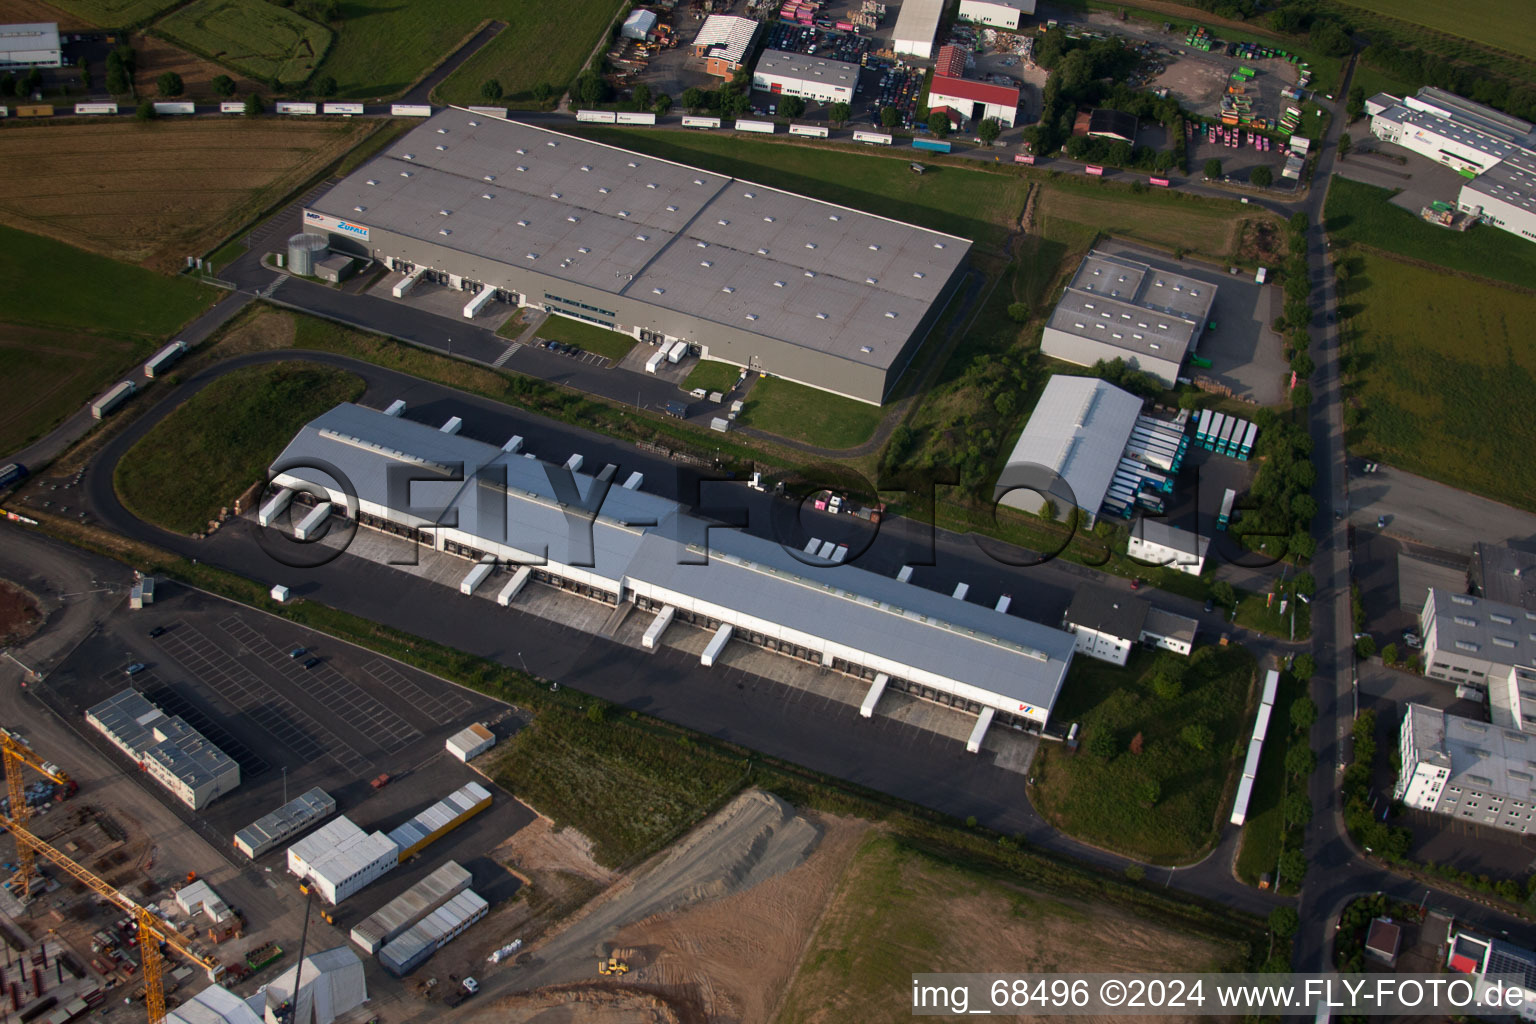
1172	220
41	286
254	37
976	204
1254	613
543	42
1445	373
1483	21
627	787
808	414
114	13
202	456
49	374
712	376
1360	213
587	336
1106	801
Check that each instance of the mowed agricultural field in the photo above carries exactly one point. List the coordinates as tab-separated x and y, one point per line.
95	13
898	910
1170	220
253	37
156	193
154	56
977	204
543	42
17	11
1493	23
61	343
1446	371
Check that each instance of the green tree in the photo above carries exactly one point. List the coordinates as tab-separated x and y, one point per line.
838	114
1262	177
1103	744
1212	169
1303	713
1298	809
1389	654
889	117
1300	761
491	89
641	96
791	106
1355	105
692	98
1345	145
1305	584
1018	312
1005	403
1200	737
85	75
254	105
597	711
223	85
170	84
938	123
326	86
590	89
541	92
1284	921
1149	792
145	111
1135	872
989	130
1222	591
1365	646
1299	223
662	104
1293	866
118	81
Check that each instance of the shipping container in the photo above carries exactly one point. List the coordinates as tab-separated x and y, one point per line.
410	110
292	107
477	575
1225	515
94	108
634	481
636	117
440	819
34	110
717	645
312	522
232	107
275	506
11	473
934	145
676	353
342	108
765	127
690	121
515	586
813	130
500	112
1094	170
174	107
657	627
597	116
872	138
112	398
433	932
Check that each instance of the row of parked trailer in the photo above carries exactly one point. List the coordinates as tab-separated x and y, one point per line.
1152	458
167	108
1255	747
666	353
1225	434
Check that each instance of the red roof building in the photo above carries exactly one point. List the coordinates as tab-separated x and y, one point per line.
951	62
975	100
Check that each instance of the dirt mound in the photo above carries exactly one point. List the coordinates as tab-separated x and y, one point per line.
19	617
576	1006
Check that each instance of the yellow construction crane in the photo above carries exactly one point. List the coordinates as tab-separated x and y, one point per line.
17	754
152	930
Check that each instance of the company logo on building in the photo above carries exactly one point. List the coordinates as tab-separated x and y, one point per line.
312	215
336	225
342	225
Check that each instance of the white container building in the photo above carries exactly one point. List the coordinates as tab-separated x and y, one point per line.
407	910
435	931
270	830
471	742
997	13
173	753
440	819
340	859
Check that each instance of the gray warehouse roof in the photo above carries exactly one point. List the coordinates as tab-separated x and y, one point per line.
1476	627
1135	307
1471	137
294	816
1105	611
1157	531
29	36
1482	756
1506	574
400	913
774	263
918	20
1078	430
783	64
1512	180
153	735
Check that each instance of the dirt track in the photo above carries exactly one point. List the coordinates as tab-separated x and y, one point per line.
19	617
755	837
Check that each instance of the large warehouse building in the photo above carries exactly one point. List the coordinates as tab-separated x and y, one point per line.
917	23
1496	152
648	550
32	45
750	275
974	101
813	78
173	753
1117	308
997	13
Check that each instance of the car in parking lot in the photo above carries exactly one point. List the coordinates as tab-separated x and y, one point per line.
1381	522
157	631
311	662
298	652
135	668
1210	604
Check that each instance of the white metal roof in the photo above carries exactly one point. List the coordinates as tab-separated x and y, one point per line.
804	68
1129	305
167	740
213	1005
28	37
1078	430
674	237
727	36
918	21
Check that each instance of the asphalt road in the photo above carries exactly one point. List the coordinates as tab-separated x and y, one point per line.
1434	514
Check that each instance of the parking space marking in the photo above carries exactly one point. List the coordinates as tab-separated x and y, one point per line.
280	717
330	688
440	709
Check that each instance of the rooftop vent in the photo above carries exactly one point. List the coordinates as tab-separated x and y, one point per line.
698	181
521	169
532	256
410	156
587	168
671	209
486	195
633	164
554	195
778	284
405	174
373	181
522	223
472	124
650	184
521	151
603	189
658	291
866	348
443	213
642	238
583	249
938	245
810	245
490	177
751	316
573	218
833	216
821	316
442	131
728	289
623	213
890	314
810	273
870	280
873	247
723	223
749	195
918	274
702	245
706	263
767	220
444	231
359	209
442	149
551	144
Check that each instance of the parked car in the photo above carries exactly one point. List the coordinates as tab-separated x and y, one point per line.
298	652
157	631
1381	521
311	662
135	668
1210	604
